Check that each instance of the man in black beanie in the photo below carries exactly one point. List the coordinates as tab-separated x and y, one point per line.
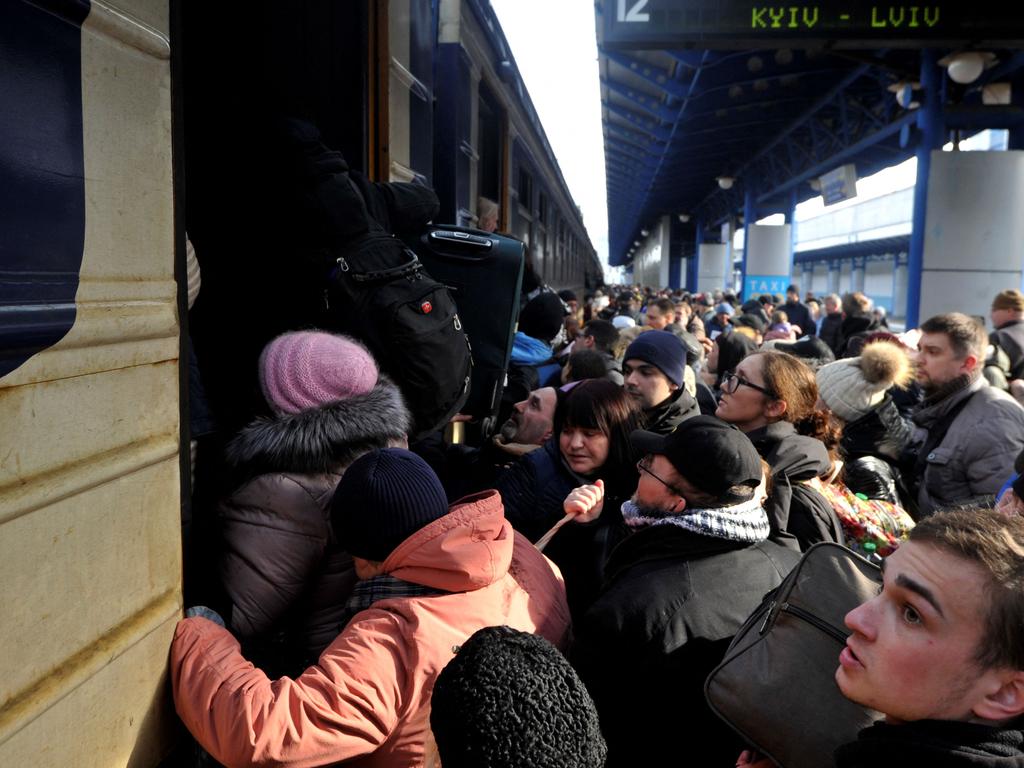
653	370
430	577
508	700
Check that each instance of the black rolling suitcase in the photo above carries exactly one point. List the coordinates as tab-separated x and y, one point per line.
484	273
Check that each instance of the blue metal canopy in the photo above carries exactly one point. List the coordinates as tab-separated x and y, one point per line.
770	119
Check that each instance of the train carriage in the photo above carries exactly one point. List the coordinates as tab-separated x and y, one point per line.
126	124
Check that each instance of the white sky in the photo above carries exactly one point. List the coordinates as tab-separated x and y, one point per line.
555	47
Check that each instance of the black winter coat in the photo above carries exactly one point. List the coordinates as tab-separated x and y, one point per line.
934	743
1010	338
855	327
663	418
671	603
795	508
871	447
799	314
829	332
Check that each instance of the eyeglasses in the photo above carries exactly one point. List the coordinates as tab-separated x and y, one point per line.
644	465
732	381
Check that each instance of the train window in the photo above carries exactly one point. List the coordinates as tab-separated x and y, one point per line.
410	91
490	149
542	208
525	189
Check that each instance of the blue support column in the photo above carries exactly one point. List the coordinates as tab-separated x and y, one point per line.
675	269
749	219
1015	140
693	265
933	133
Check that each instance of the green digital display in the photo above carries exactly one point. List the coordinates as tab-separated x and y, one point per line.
848	23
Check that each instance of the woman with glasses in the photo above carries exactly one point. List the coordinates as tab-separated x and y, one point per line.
772	397
592	426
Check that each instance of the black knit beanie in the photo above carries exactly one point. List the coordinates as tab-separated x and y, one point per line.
510	700
542	317
383	498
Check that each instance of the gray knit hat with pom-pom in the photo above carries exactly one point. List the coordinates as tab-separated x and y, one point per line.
510	700
854	387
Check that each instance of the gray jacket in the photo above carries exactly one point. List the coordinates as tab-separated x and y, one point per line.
976	456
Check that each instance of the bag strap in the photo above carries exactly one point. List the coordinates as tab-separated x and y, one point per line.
411	267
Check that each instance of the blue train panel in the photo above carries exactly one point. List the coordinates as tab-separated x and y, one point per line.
42	174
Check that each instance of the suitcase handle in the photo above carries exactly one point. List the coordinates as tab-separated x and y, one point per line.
442	238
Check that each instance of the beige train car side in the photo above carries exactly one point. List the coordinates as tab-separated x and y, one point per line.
90	564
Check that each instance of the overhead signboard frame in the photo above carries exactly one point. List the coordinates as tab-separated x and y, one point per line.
737	24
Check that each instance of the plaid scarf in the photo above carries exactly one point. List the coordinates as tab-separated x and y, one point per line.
384	587
746	522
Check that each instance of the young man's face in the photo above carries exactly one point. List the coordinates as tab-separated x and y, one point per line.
912	652
1001	316
657	319
937	363
645	383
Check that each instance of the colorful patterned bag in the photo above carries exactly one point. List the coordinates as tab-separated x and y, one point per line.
866	521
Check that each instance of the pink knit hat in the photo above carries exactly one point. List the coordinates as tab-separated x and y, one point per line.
308	369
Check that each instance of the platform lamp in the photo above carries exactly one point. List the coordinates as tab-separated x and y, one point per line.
964	67
908	93
725	182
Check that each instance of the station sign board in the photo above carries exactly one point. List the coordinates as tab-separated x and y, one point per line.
839	184
844	23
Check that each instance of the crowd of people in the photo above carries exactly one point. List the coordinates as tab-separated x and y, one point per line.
558	594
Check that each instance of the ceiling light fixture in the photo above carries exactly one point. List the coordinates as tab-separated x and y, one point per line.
965	67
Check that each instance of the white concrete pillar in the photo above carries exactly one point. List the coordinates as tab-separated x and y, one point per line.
806	279
715	270
833	276
974	231
857	275
767	250
899	286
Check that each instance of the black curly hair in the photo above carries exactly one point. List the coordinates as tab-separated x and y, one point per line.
510	700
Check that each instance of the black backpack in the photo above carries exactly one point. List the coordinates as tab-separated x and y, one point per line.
380	293
376	288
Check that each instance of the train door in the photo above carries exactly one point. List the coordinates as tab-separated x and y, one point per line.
90	566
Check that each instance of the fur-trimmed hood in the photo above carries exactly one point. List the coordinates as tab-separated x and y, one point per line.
322	439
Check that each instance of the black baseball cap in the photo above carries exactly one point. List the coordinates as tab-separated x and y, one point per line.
712	455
